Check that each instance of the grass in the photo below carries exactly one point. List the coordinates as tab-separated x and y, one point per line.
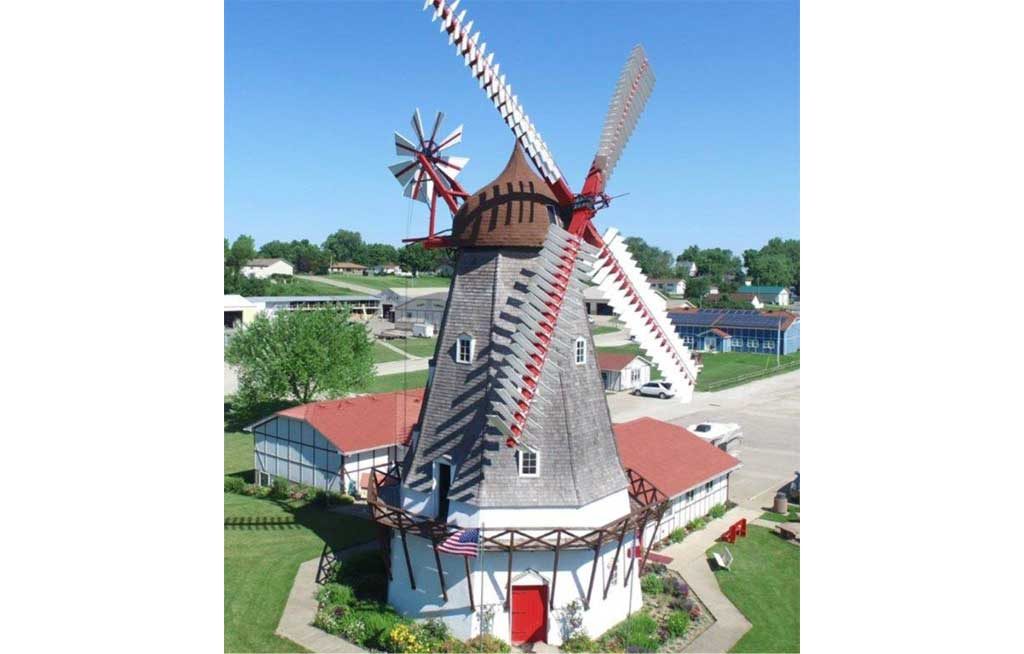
764	584
383	354
390	281
722	368
417	347
260	563
388	383
604	329
307	287
792	516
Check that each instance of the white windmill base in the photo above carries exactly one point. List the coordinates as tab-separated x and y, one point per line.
489	578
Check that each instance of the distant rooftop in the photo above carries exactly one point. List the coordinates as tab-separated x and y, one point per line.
270	299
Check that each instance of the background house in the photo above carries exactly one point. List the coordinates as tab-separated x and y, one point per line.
346	268
623	372
691	472
765	332
669	285
263	268
687	268
332	445
386	269
238	311
778	295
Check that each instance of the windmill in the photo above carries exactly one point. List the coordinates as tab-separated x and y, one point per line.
514	440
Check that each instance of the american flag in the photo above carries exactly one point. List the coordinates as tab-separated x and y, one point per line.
463	542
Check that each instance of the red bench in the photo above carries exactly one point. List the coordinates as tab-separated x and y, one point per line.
738	528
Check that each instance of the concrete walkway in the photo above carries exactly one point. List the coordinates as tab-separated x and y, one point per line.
689	559
365	290
297	620
395	349
407	365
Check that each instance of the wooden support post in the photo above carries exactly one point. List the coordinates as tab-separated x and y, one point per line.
593	569
440	569
615	559
508	580
408	561
469	581
643	564
632	560
554	570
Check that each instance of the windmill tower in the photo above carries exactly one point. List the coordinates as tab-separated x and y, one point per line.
515	438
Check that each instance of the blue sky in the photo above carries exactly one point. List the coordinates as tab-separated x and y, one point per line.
314	90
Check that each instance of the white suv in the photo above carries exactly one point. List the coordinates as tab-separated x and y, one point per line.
660	389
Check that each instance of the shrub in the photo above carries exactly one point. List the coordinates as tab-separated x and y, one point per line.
326	620
717	511
677	587
335	594
638	633
379	624
436	630
279	488
345	500
652	584
571	620
452	646
250	489
403	638
352	628
677	624
233	484
488	643
580	643
677	535
695	612
696	523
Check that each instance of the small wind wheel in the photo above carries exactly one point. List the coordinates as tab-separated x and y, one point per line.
413	175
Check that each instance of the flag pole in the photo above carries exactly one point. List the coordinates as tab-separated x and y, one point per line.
480	556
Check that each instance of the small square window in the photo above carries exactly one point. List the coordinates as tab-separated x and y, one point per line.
464	349
708	486
767	345
752	343
529	463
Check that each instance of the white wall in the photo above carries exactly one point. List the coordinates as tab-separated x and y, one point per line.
276	268
683	511
355	465
489	577
627	375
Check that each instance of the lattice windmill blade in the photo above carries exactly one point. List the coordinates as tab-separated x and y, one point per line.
636	81
411	173
499	92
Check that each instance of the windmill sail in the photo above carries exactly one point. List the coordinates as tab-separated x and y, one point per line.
636	81
644	313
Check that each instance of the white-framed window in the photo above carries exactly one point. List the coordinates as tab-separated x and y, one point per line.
688	341
529	463
689	495
767	345
581	350
752	343
465	348
708	486
634	375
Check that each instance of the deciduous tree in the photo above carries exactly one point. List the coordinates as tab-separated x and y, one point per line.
300	355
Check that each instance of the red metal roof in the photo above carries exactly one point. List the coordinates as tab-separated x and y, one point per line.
720	332
365	422
613	361
669	456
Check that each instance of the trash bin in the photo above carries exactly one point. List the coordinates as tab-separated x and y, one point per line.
781	503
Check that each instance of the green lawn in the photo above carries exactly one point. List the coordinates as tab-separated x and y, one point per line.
764	584
417	347
604	329
260	562
388	383
793	515
721	367
383	354
390	281
307	287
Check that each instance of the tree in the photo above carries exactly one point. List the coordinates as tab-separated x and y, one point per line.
716	263
344	245
697	287
278	250
776	264
242	250
300	355
376	254
416	258
654	262
308	257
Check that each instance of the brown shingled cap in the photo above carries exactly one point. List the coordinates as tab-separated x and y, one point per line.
512	210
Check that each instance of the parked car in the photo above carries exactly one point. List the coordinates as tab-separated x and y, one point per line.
660	389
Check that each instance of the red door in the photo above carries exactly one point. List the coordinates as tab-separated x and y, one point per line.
529	614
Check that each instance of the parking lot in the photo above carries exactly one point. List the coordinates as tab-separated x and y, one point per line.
768	410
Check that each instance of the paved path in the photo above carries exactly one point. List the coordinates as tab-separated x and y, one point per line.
395	349
297	620
345	284
395	367
689	559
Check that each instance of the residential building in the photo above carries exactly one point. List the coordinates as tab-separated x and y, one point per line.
238	311
263	268
668	285
738	330
778	295
427	308
596	302
335	444
623	372
347	268
692	473
386	269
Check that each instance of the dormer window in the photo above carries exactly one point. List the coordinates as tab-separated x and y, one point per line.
465	348
529	463
581	351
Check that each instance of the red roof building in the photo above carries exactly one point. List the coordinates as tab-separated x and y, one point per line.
670	456
365	422
613	361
